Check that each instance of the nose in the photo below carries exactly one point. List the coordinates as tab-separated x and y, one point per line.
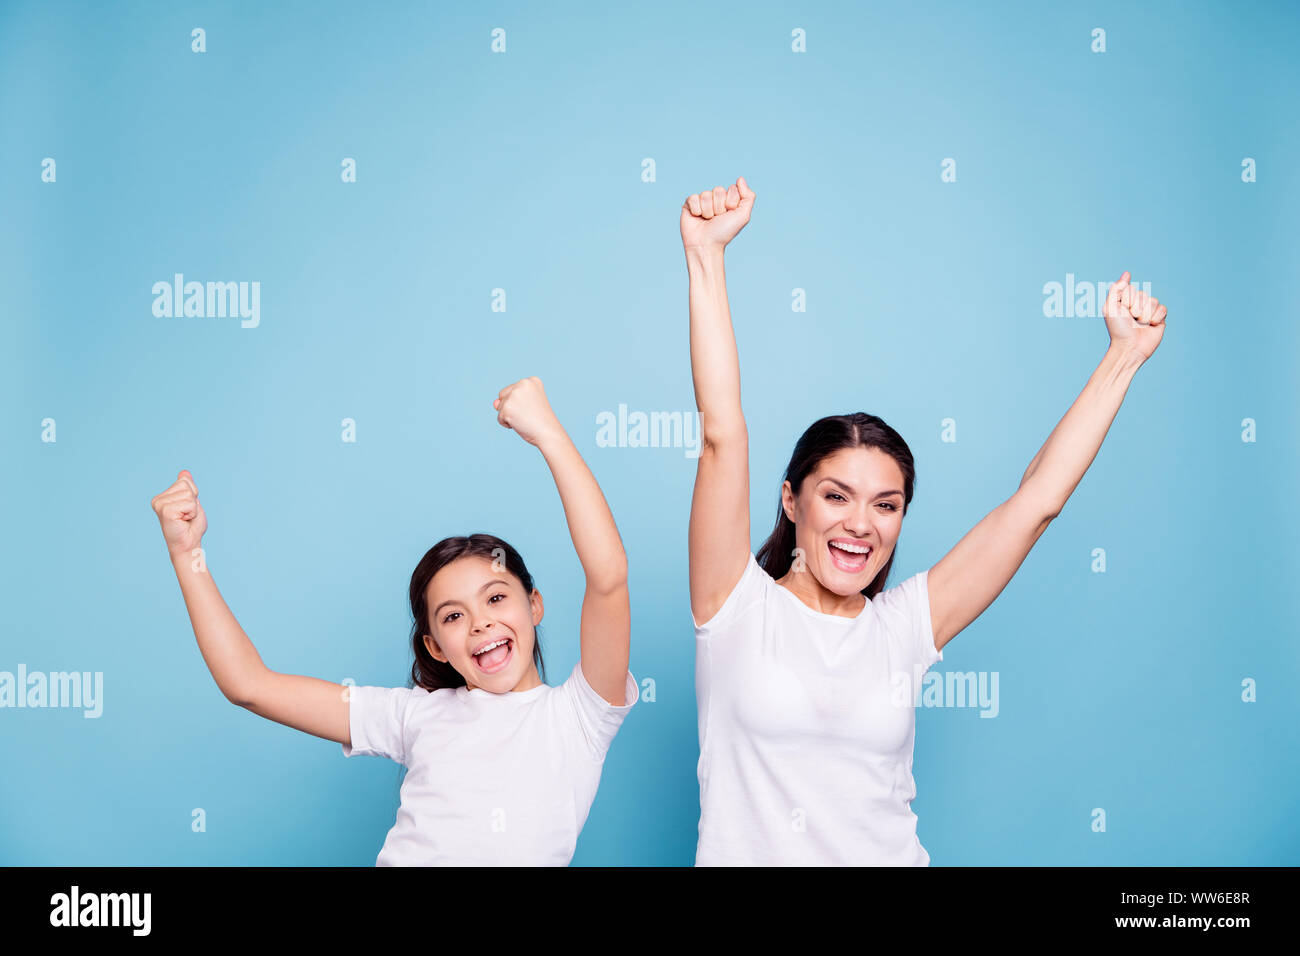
480	626
859	523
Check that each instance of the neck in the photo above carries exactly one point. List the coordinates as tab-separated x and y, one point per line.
805	586
528	682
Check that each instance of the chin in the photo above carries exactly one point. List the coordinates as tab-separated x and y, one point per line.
857	580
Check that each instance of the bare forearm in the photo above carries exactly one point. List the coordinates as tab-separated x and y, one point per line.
1070	450
715	364
229	654
591	524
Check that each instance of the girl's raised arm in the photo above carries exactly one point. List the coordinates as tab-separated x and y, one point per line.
970	576
606	617
313	706
719	544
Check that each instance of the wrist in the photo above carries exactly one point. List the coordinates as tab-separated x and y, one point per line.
183	557
553	439
1125	357
704	254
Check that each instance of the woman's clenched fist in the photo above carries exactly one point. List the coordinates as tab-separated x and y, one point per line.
181	515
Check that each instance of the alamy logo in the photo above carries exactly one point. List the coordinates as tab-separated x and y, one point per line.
57	689
1081	300
215	300
946	689
102	909
652	430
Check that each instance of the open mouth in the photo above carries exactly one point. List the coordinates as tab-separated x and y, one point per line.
848	558
495	656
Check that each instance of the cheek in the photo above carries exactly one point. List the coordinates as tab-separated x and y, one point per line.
888	538
521	622
811	513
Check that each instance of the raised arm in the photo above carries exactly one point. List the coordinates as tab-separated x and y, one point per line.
605	632
718	538
971	576
313	706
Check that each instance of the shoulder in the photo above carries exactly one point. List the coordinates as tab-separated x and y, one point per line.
579	689
754	588
401	700
904	595
904	610
591	721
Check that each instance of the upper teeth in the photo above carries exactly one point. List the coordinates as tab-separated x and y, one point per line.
853	548
487	647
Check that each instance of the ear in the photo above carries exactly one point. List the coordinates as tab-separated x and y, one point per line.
433	649
535	602
787	500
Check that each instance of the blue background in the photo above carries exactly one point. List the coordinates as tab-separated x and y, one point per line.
523	171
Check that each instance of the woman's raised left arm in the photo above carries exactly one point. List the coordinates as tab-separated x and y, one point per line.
971	576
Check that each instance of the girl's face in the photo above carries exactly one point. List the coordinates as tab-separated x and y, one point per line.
847	517
482	624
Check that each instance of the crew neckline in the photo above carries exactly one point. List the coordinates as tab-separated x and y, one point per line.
520	694
822	615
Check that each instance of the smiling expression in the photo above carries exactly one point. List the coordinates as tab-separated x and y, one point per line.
847	518
483	624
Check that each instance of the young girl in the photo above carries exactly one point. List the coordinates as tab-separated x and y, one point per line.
502	768
807	668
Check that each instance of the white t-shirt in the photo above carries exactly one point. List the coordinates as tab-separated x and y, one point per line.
492	779
806	727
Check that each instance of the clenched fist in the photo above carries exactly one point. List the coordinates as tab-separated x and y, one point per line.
1135	320
712	218
181	515
524	408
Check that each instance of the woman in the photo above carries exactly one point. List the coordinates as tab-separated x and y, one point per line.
807	667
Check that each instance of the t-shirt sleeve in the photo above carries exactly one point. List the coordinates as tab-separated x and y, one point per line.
749	588
907	607
598	719
377	722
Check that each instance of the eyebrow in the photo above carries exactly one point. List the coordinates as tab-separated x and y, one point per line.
849	489
480	591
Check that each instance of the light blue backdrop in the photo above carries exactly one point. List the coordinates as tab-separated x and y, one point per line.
523	171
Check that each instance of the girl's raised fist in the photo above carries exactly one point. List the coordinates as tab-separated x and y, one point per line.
523	407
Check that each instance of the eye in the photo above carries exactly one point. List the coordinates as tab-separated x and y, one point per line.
495	596
448	618
890	505
836	494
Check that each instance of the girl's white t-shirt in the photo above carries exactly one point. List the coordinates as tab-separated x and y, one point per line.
806	727
492	779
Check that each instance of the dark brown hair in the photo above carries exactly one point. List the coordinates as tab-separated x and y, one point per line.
823	438
427	671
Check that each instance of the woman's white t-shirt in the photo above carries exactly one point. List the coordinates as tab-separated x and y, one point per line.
492	779
806	727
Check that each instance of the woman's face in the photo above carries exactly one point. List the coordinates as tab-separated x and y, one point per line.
482	624
847	517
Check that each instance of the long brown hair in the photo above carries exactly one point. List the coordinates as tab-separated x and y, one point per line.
427	671
823	438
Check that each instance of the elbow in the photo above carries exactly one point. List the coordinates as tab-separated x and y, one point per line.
611	578
240	700
723	436
242	694
1046	507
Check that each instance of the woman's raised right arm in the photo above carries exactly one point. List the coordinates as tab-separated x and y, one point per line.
719	544
313	706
